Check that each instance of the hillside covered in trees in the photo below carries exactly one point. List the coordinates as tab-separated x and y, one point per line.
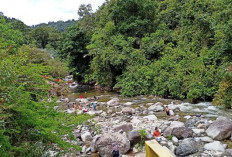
59	25
170	48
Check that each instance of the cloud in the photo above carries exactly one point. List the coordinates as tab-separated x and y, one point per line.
33	12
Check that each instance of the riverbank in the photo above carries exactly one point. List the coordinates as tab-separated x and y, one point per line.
185	131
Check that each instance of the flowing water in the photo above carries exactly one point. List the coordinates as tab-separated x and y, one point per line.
204	108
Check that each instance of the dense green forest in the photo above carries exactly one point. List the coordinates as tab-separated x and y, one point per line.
169	48
29	125
59	25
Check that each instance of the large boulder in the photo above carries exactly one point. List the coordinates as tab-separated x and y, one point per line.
123	127
186	147
128	110
150	117
134	137
182	132
214	146
156	107
220	129
174	124
104	144
113	102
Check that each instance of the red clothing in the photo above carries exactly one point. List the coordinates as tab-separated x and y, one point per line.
80	96
156	133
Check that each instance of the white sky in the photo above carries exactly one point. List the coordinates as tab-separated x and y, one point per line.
33	12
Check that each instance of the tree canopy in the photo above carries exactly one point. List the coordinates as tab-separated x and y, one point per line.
168	48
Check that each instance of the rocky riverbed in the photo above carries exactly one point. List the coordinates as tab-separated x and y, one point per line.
191	130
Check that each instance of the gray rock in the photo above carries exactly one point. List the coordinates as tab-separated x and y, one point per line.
104	144
158	108
83	149
182	132
128	103
186	147
159	103
86	137
172	106
123	127
141	154
150	117
167	132
229	152
202	126
128	110
171	112
220	129
103	114
206	139
174	118
187	117
214	146
198	131
152	108
149	136
134	137
174	124
175	140
113	102
149	104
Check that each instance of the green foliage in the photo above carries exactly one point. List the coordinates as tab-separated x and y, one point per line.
73	49
169	137
143	134
85	10
224	93
10	39
46	35
168	48
29	125
59	25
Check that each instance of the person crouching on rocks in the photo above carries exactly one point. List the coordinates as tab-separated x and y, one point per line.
94	105
157	134
68	105
167	111
80	107
75	105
